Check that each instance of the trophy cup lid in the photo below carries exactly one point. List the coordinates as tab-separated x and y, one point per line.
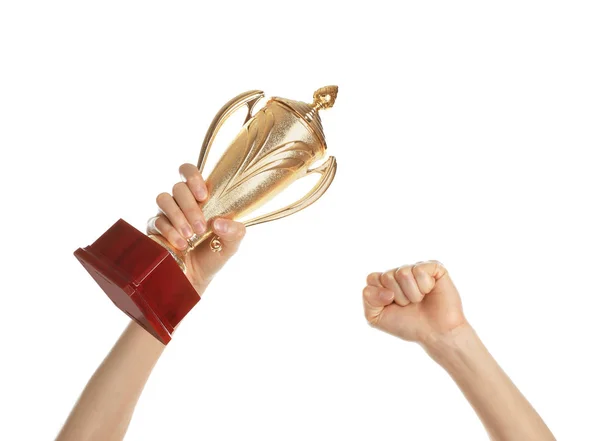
323	98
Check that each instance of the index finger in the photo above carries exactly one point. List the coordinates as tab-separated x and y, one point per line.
427	274
433	268
191	175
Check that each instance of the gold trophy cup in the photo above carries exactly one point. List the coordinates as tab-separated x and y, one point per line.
277	146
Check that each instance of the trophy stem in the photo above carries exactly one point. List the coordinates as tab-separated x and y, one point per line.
193	242
175	254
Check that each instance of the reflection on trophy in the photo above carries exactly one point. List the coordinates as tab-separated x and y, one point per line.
144	275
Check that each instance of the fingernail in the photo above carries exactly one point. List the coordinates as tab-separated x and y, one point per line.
221	226
181	244
186	231
199	226
201	193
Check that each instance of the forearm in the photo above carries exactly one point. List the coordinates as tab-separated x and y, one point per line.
105	407
504	411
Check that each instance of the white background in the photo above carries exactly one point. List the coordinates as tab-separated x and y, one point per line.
464	131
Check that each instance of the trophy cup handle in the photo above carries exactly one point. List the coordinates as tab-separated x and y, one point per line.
326	170
249	98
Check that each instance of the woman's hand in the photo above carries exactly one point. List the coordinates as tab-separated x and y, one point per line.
420	303
181	216
414	302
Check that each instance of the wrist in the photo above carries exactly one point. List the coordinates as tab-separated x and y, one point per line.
137	336
453	347
199	283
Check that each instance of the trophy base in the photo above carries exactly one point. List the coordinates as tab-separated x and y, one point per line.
141	278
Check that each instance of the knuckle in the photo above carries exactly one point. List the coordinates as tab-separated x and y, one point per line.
418	271
193	213
437	264
439	268
387	278
403	273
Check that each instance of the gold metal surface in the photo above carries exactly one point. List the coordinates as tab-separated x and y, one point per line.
176	255
248	98
276	147
216	245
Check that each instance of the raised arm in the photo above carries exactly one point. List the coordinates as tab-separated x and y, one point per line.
107	403
420	303
105	407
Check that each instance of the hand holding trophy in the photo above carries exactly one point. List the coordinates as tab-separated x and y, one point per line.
145	275
180	217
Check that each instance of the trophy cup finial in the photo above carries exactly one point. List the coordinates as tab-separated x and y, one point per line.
324	98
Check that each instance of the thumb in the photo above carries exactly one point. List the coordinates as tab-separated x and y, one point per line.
230	235
208	263
375	299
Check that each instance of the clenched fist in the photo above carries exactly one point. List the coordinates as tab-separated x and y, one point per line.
414	302
180	217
